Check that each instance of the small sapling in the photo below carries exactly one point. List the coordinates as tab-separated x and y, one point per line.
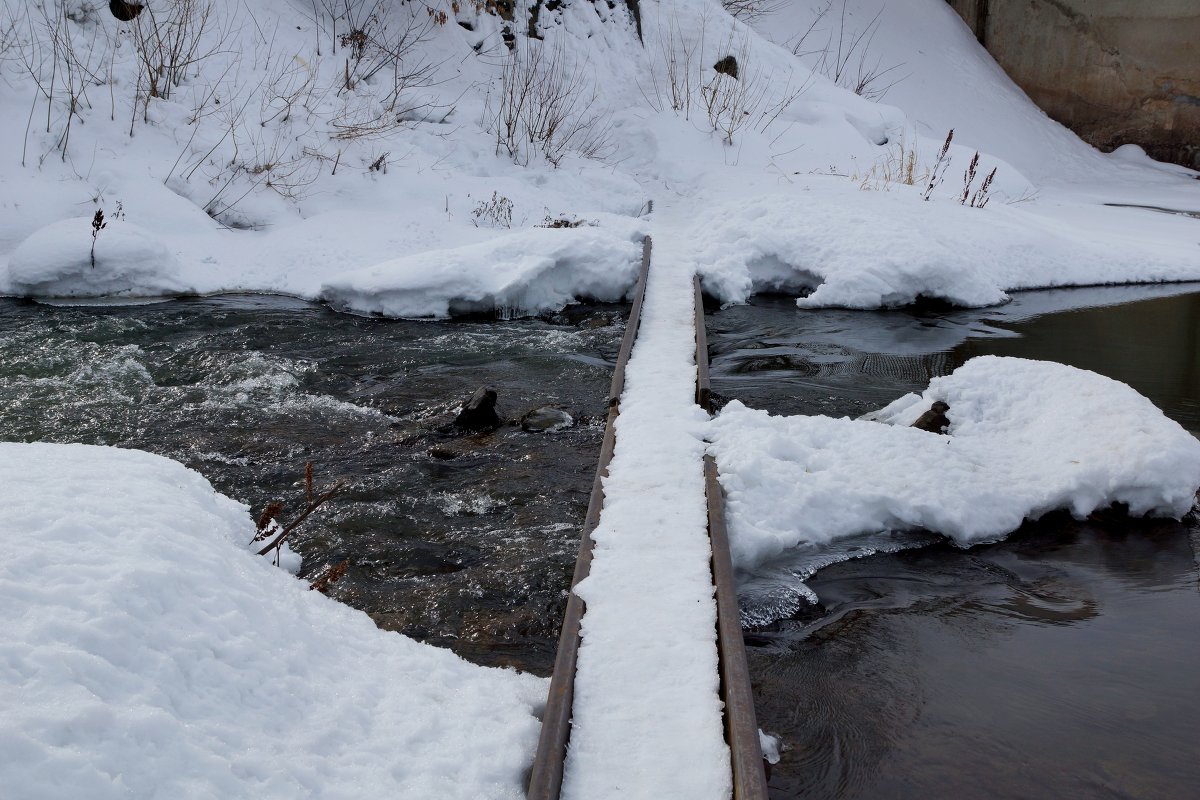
98	224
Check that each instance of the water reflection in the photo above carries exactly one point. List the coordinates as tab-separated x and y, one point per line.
772	355
1062	662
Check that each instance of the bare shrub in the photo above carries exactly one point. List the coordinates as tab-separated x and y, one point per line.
9	36
750	10
381	47
277	146
846	56
547	106
173	42
737	95
494	213
675	71
731	103
64	60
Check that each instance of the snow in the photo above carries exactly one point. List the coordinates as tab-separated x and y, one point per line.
646	687
56	261
528	271
148	653
266	190
272	167
1026	438
904	249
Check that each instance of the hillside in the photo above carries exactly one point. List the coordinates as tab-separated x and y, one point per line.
402	158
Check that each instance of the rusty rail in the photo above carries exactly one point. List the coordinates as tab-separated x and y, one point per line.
741	727
545	779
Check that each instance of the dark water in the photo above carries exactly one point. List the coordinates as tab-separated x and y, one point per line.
1063	662
463	541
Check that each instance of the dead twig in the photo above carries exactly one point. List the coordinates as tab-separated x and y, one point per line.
328	576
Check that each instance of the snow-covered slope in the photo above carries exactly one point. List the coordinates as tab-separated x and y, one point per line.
148	653
292	154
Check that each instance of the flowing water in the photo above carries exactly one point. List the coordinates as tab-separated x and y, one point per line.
1063	662
466	541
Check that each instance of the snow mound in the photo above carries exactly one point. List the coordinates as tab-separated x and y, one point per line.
148	654
539	269
55	261
1026	438
870	249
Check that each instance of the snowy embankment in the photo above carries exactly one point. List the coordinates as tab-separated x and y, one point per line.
646	720
279	160
147	653
526	272
843	247
1026	438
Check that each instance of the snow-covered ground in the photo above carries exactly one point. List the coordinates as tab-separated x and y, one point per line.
291	152
284	161
148	653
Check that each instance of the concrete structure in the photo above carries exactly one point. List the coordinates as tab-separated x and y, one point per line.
1114	71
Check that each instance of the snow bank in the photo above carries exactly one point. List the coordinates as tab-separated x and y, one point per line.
1027	437
56	261
869	249
148	654
520	273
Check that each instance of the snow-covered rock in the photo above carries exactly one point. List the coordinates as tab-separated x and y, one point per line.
56	261
146	653
519	273
1026	438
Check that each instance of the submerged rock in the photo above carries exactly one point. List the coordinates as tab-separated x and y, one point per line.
479	413
546	419
775	363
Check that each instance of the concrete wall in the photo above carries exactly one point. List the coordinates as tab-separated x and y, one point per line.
1114	71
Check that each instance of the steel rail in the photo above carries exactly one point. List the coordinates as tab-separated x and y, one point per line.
741	727
546	775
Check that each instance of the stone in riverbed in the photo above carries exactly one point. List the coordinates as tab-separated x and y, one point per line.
934	420
546	419
479	413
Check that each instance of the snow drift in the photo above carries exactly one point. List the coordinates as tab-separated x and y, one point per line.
848	248
129	261
1026	438
147	653
516	274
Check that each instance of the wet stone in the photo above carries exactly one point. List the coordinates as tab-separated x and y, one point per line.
546	419
479	413
934	420
773	363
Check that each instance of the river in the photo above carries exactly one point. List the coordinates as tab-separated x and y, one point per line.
1063	661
